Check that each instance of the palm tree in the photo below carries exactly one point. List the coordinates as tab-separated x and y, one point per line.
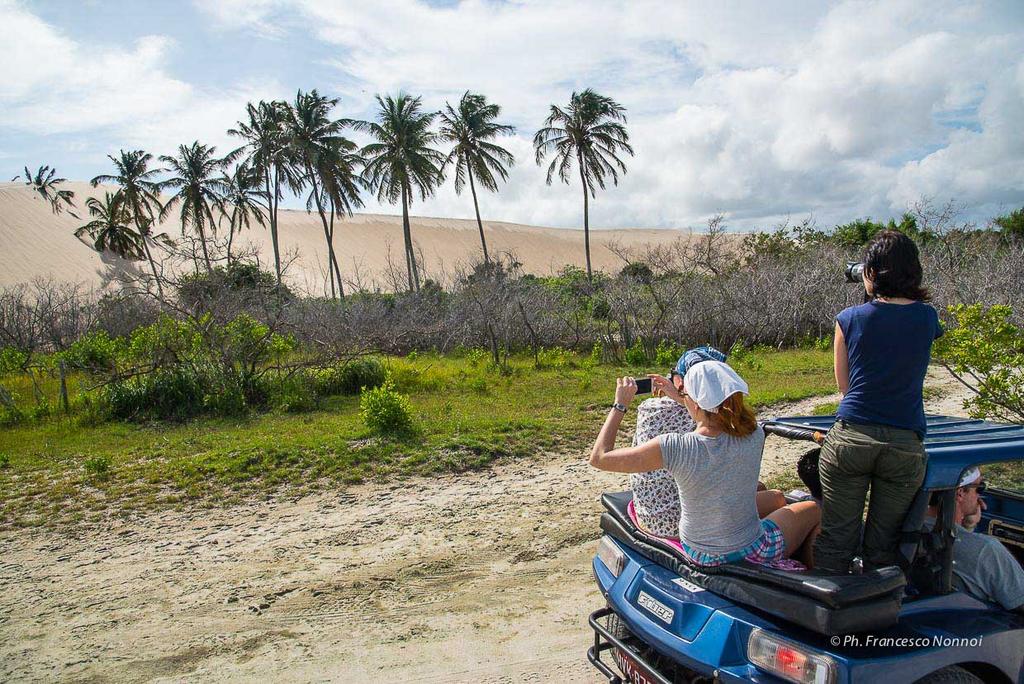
45	184
470	128
340	184
110	229
241	201
590	131
401	160
268	156
140	196
314	140
199	190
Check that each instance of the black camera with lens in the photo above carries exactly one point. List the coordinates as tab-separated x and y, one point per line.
854	271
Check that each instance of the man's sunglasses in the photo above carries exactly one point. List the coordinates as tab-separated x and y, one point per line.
980	486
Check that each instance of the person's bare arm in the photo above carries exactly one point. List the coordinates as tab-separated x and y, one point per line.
639	459
841	360
642	458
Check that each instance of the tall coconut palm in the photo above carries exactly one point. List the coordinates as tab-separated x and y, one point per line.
591	132
45	183
242	201
140	195
340	185
470	129
268	155
110	228
199	189
402	160
313	137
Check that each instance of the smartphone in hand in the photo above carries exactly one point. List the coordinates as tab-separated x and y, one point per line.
643	385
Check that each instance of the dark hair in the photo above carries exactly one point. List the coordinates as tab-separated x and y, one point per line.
892	263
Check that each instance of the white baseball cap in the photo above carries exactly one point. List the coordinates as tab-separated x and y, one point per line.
712	382
970	477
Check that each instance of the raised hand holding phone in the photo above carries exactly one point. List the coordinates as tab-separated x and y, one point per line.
665	386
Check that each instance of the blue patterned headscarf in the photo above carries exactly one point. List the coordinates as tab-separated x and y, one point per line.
692	357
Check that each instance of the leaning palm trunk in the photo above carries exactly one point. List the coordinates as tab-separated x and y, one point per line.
330	248
479	223
328	235
206	253
152	263
272	203
231	239
410	256
586	220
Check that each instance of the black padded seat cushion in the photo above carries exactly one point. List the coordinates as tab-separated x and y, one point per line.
827	604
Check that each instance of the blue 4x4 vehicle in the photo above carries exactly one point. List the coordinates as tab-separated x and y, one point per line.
669	621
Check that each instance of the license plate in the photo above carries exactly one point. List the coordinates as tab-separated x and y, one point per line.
633	671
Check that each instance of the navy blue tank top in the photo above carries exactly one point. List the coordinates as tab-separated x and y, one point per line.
889	346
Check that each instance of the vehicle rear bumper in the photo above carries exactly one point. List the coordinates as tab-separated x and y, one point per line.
606	641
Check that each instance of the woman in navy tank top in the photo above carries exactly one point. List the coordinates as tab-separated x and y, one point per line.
882	349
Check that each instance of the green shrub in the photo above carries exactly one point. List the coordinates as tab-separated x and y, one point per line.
985	351
667	354
39	411
348	379
90	413
742	357
555	357
5	461
238	278
10	416
227	395
293	394
98	466
11	360
637	354
477	357
385	411
95	352
167	394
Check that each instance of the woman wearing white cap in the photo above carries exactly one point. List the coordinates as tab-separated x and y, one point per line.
716	468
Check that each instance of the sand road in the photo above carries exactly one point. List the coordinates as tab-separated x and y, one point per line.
482	577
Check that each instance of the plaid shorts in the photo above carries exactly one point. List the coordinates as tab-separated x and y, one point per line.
767	548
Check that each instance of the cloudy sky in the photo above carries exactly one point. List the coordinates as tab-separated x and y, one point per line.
761	111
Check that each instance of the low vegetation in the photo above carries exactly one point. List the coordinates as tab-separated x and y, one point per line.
464	413
220	382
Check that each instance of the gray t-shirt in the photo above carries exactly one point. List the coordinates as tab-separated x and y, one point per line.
717	480
986	569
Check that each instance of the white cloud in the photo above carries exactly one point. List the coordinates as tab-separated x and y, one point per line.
57	84
759	110
756	110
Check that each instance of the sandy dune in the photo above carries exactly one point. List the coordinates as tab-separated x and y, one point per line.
34	242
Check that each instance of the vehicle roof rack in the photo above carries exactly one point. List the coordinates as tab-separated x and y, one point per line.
953	444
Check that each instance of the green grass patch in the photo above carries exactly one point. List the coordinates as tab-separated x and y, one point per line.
467	415
827	409
1008	475
785	481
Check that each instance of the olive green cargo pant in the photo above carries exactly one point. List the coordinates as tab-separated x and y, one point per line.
890	460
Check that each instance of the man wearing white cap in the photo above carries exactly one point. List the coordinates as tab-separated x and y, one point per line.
982	566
